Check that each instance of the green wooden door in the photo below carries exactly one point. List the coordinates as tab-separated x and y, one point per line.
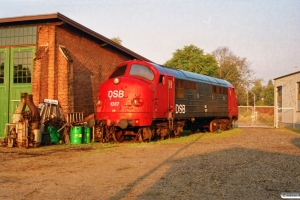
4	89
17	79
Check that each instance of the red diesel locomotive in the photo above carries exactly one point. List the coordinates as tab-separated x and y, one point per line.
146	100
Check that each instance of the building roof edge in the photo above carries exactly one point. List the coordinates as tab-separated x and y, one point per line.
287	75
75	24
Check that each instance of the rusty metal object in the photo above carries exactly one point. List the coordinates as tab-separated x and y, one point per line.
21	107
24	129
35	115
220	124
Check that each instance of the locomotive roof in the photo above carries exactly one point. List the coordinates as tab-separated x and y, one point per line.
181	74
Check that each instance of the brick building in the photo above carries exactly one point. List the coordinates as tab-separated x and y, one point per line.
54	57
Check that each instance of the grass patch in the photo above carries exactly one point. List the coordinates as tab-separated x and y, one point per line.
296	130
186	137
203	136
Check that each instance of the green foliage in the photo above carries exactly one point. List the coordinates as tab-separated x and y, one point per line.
264	94
257	90
236	70
193	59
269	94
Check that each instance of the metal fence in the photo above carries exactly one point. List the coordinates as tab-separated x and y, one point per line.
258	116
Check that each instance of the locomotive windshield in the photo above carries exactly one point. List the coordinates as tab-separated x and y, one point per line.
141	71
120	71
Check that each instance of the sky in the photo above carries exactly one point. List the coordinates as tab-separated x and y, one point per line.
267	33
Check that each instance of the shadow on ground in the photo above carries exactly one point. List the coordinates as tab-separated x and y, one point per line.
296	142
236	173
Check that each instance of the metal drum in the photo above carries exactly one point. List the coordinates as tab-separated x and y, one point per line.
86	137
76	135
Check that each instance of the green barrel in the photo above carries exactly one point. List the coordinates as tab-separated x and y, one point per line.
76	135
86	137
54	135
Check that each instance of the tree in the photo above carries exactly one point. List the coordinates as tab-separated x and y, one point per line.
117	40
258	90
269	94
193	59
264	94
236	70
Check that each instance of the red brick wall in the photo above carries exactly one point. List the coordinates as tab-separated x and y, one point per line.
74	82
40	73
64	96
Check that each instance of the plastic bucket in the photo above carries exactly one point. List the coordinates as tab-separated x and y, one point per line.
86	136
54	135
76	134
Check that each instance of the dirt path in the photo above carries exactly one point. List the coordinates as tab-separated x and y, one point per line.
254	164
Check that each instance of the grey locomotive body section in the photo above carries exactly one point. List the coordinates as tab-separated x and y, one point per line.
197	95
196	99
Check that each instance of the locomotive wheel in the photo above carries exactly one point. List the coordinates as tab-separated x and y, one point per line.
140	138
119	136
213	126
144	134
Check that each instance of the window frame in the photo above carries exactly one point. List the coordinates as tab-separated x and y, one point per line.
20	35
279	98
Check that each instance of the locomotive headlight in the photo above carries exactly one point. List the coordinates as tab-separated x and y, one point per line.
137	102
116	81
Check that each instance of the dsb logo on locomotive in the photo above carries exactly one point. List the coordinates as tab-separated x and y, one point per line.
180	108
115	94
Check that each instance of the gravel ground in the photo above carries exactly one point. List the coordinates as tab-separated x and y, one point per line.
253	163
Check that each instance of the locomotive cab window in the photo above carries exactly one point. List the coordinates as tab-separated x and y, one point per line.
141	71
120	71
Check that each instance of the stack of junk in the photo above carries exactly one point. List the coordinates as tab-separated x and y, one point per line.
44	125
